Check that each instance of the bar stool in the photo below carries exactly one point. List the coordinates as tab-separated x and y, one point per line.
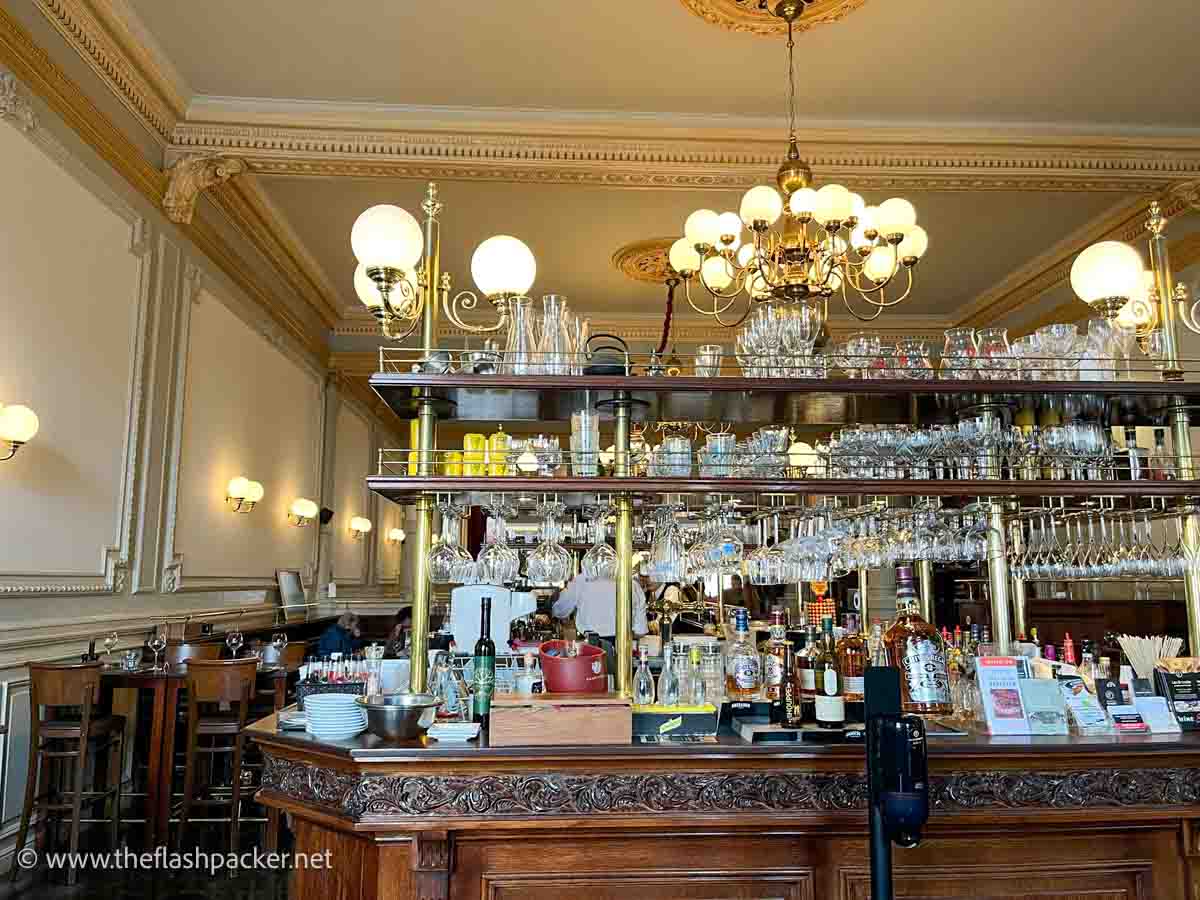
62	689
220	683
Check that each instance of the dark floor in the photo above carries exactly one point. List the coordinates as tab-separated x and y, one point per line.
156	883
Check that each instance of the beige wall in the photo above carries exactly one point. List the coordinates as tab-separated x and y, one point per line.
351	498
248	410
68	299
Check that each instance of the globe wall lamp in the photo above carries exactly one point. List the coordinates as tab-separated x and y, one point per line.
18	426
396	536
242	494
303	512
359	527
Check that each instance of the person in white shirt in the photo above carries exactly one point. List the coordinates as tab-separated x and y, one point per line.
594	603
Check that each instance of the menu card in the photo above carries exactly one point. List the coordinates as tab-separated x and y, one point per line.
1182	690
999	685
1086	713
1044	706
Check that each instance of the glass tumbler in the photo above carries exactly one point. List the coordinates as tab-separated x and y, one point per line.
585	443
708	360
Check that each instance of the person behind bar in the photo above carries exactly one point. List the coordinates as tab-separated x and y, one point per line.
594	603
342	636
397	642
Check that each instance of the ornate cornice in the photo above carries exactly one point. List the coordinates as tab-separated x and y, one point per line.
645	260
191	176
14	105
106	38
754	17
359	796
684	153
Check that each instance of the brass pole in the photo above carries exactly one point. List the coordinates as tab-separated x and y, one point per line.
624	547
1019	601
997	555
925	574
422	590
1181	435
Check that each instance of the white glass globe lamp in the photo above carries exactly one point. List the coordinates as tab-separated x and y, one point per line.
387	236
1107	275
503	266
895	217
703	228
683	257
761	206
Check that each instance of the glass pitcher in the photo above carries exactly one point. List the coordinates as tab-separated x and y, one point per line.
553	356
521	344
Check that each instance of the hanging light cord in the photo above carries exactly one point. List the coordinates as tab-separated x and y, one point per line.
791	45
672	282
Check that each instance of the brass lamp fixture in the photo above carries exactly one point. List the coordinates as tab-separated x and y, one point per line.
829	241
389	244
242	494
303	512
359	527
18	425
395	536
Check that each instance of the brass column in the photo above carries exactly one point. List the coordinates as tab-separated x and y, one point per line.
422	590
925	575
864	600
1181	436
1019	602
997	555
624	548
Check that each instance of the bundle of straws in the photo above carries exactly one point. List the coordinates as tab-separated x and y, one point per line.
1145	652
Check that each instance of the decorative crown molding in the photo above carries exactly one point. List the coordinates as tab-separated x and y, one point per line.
673	152
14	105
755	17
647	260
108	37
191	176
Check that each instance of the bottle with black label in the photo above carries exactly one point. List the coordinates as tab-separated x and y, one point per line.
829	698
483	679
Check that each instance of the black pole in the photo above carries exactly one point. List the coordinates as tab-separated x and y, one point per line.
881	856
882	699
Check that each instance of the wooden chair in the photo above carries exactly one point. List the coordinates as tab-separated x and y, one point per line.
178	654
67	729
227	683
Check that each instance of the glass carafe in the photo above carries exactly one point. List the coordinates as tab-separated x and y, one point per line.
667	554
521	344
995	357
554	349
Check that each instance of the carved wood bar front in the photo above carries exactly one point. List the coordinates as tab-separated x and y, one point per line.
1055	819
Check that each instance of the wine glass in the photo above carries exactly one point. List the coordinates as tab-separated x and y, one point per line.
157	643
110	642
279	642
233	640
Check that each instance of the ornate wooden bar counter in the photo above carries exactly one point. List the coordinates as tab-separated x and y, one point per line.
1051	818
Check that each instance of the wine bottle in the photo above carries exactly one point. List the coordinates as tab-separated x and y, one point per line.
830	695
483	680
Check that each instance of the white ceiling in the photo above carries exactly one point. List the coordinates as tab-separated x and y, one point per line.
573	231
1101	62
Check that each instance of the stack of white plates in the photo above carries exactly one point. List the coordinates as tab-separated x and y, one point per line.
454	732
334	717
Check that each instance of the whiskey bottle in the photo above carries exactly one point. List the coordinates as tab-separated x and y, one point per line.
743	665
829	699
916	649
852	665
775	657
798	665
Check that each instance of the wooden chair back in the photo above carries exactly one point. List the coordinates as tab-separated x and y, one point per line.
221	680
177	654
72	684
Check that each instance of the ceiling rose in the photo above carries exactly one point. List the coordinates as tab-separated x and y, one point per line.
755	16
645	260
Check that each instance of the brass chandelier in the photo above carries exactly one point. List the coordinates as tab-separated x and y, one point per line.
828	241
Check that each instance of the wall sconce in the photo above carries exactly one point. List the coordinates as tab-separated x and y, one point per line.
358	527
396	536
303	512
18	424
242	494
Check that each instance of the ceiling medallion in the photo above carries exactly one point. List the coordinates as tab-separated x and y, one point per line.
645	260
757	16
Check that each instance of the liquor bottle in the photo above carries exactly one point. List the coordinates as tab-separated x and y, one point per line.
1068	649
785	710
852	667
774	657
1162	464
1087	671
808	680
878	648
1033	638
668	681
794	685
743	665
958	638
483	681
829	700
916	649
643	683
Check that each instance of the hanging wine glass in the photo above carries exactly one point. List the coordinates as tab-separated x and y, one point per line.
443	556
550	563
498	563
601	560
667	553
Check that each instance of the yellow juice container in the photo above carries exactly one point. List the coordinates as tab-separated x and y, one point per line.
498	452
474	455
453	464
414	442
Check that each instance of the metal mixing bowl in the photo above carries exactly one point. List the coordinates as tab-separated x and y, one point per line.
399	716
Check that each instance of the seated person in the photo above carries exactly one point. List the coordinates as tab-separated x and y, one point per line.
398	637
343	636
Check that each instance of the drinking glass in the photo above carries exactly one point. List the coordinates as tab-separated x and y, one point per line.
601	559
994	359
912	360
444	555
233	640
585	443
675	456
708	360
157	643
110	642
959	353
550	563
667	552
